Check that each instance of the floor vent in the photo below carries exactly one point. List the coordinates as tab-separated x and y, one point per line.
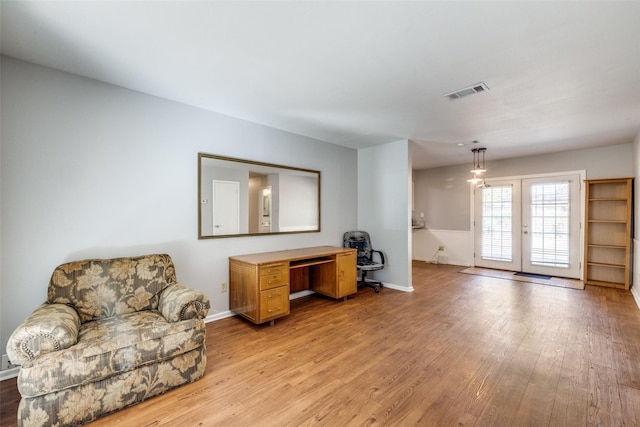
471	90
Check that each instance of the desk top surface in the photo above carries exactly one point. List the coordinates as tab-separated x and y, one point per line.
291	254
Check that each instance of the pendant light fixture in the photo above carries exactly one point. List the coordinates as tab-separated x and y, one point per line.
477	153
478	167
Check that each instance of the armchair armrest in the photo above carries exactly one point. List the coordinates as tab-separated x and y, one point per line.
178	302
51	327
380	254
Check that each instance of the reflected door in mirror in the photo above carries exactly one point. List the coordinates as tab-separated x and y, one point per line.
226	207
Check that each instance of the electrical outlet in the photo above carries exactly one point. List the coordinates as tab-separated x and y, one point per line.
440	248
223	287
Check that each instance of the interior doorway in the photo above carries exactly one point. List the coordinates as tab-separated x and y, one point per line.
530	225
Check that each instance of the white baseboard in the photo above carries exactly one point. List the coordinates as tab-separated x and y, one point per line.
397	288
9	373
635	291
457	262
219	316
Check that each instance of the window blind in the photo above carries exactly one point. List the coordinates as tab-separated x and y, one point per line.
549	227
497	223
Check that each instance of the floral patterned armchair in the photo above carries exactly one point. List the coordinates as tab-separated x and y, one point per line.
112	333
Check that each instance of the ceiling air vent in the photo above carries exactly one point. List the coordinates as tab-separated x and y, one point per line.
470	90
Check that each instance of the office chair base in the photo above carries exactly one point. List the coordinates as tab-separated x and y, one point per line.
372	284
364	281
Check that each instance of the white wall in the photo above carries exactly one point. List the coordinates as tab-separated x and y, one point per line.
444	195
458	250
93	170
298	196
384	208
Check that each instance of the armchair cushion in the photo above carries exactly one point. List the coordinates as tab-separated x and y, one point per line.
50	328
110	346
100	288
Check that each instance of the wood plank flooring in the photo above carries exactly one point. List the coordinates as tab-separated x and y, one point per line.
461	350
510	275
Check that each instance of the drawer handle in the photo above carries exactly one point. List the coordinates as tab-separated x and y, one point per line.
273	295
275	309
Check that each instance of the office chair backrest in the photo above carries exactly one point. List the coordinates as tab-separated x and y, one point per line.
361	241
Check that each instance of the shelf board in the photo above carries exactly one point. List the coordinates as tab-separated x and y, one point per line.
595	245
608	199
310	262
609	221
602	264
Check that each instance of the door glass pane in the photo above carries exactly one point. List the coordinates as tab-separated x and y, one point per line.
497	223
549	228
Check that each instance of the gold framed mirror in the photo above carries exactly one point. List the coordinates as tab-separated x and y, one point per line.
239	197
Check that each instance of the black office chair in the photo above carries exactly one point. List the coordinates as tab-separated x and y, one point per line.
361	241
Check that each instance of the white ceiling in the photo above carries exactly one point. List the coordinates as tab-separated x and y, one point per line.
562	75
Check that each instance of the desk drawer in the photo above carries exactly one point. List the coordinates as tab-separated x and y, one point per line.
273	276
274	303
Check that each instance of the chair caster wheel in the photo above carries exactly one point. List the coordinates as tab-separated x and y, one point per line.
376	290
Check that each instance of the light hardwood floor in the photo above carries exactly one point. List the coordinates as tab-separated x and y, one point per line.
461	350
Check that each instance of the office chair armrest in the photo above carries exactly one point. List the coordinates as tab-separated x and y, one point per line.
380	254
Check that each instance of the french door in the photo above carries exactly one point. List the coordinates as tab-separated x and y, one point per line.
530	225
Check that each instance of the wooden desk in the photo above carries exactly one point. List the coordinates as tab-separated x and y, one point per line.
260	284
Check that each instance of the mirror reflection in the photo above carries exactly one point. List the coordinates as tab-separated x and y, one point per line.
240	197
